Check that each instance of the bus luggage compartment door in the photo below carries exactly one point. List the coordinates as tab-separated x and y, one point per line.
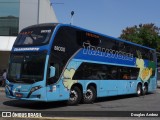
108	87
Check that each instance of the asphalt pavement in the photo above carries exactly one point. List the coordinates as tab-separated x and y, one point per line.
116	104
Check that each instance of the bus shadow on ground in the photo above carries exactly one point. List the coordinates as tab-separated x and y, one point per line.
48	105
119	97
35	105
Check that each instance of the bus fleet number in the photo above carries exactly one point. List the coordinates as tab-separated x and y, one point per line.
58	48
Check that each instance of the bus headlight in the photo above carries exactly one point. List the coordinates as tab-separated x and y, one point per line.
35	88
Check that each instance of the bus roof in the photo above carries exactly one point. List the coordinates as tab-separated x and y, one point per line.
113	38
42	25
68	25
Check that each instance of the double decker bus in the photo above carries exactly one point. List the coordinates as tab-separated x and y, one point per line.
53	62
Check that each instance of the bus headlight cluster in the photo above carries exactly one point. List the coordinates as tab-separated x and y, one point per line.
35	88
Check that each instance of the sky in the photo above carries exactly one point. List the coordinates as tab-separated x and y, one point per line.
108	17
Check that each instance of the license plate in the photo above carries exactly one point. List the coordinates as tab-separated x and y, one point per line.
19	95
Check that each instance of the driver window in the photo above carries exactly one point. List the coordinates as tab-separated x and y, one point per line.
52	80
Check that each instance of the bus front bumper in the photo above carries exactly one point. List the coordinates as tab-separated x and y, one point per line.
38	95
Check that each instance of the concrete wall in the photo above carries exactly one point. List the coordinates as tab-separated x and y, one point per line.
6	43
46	12
35	12
28	13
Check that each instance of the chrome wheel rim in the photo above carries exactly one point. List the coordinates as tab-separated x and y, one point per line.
73	95
89	94
139	91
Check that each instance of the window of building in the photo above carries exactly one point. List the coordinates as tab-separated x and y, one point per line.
9	17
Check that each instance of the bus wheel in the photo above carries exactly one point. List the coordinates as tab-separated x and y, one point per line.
145	89
139	90
75	96
90	95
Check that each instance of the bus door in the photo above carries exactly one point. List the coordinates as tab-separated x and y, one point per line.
52	89
53	92
57	92
55	87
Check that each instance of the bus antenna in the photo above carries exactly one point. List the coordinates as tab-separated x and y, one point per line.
72	13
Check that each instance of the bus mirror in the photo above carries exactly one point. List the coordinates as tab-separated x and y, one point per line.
52	71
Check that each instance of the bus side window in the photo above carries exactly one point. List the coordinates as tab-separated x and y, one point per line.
87	37
113	73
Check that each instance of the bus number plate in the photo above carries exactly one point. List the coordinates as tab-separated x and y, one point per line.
19	95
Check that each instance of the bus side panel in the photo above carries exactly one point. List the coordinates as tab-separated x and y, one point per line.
108	88
123	87
126	86
57	92
152	85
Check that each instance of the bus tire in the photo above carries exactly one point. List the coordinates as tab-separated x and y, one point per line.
90	95
145	89
75	96
139	90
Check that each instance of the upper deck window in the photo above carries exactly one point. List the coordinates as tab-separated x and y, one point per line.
34	36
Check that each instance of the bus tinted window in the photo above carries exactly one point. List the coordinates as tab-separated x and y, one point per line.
93	71
26	67
87	37
34	36
108	43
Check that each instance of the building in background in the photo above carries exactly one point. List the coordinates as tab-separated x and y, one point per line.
17	14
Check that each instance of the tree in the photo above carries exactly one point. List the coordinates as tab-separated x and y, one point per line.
144	34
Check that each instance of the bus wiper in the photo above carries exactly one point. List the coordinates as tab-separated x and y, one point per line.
34	80
29	80
11	79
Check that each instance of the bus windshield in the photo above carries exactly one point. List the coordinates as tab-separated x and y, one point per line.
34	36
26	67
